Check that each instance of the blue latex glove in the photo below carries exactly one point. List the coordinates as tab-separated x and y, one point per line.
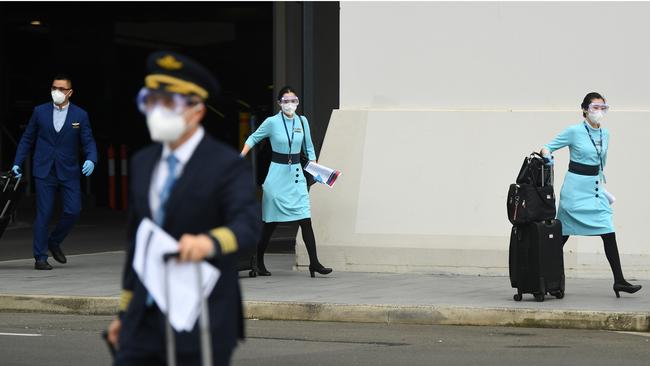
319	179
549	160
16	170
88	168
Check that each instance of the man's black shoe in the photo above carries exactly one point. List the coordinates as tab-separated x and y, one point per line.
58	255
42	265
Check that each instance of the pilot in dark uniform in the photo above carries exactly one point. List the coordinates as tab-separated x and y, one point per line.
199	191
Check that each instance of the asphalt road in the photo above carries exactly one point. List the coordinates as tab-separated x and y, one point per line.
34	339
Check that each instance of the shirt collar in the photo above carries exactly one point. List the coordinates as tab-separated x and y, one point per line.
184	152
56	107
282	115
590	128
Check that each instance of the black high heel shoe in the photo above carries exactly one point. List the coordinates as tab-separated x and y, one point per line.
629	288
320	269
261	270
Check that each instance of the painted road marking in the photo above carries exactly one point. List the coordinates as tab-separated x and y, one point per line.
20	334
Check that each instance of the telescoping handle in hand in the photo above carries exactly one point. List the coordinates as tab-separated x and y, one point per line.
204	321
169	332
170	255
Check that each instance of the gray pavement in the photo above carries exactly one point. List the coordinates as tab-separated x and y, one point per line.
75	340
98	230
89	284
310	343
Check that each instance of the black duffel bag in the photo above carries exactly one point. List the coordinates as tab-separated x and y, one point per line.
532	197
528	203
535	171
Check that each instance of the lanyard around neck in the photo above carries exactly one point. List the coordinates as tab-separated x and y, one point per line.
602	143
293	130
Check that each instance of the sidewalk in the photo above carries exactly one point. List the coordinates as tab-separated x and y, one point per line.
90	284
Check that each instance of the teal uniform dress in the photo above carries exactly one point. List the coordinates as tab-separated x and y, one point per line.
584	209
285	197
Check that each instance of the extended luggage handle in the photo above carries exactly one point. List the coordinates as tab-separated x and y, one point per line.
550	168
204	319
11	175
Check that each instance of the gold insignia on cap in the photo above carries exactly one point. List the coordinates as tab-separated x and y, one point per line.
174	85
169	62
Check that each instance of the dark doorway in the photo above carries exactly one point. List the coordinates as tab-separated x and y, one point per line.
252	49
103	46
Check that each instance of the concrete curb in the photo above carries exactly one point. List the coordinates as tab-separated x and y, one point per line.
450	315
85	305
389	314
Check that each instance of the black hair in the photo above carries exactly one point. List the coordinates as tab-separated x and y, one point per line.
588	98
62	76
286	89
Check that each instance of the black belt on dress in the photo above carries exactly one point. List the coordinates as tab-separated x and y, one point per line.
280	158
583	169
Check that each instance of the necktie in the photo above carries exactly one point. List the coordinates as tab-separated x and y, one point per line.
159	216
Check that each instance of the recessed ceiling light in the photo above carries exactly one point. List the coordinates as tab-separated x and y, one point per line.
35	22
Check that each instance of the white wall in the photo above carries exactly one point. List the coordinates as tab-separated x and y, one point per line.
427	55
439	104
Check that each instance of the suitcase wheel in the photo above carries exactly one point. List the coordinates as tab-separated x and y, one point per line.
517	297
558	294
539	297
252	273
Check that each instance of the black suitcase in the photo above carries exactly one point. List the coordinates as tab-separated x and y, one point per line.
12	189
536	259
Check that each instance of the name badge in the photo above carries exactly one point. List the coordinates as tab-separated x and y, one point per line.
297	130
75	124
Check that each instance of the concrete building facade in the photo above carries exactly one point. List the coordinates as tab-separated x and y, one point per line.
440	102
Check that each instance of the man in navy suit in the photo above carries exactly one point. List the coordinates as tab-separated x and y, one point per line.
199	191
56	131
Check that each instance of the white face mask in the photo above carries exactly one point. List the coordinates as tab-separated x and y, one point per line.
596	116
58	97
289	108
165	125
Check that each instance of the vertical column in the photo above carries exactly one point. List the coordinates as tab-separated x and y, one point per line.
287	46
4	158
308	87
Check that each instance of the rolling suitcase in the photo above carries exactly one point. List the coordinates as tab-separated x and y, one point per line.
12	189
204	322
536	259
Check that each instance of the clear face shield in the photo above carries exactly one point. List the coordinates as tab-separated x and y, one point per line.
290	101
598	107
147	99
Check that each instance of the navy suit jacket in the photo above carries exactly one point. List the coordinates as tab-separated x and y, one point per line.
60	149
216	190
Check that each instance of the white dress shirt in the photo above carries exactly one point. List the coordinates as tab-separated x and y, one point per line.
59	115
183	154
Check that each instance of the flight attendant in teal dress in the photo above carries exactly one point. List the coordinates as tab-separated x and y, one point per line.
285	197
584	207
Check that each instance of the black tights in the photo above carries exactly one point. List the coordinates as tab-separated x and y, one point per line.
307	237
611	251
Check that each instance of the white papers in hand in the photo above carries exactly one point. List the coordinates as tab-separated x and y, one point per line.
610	197
322	174
151	244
